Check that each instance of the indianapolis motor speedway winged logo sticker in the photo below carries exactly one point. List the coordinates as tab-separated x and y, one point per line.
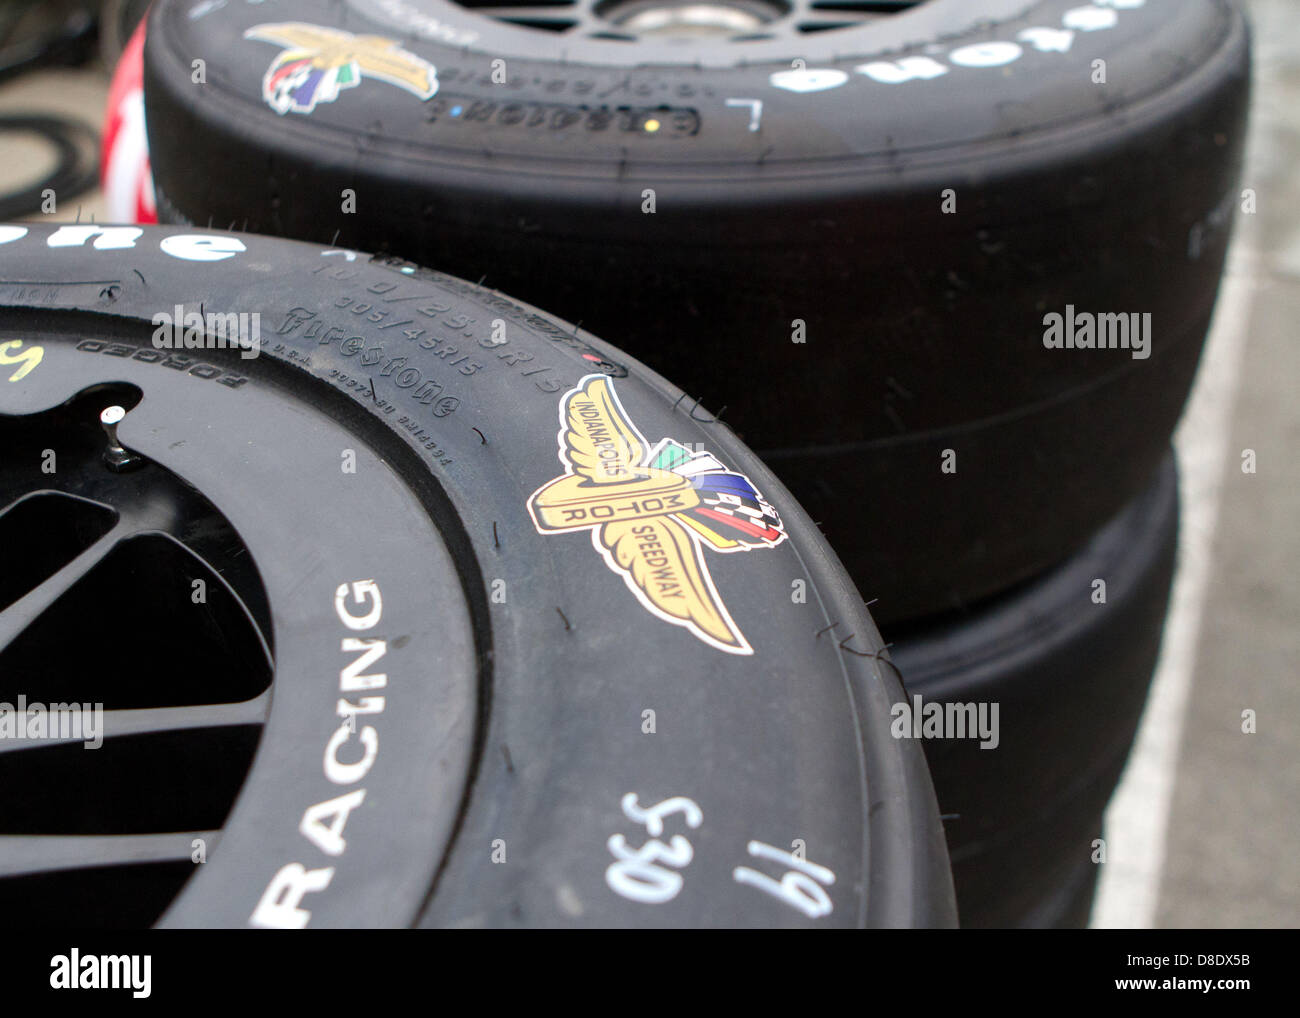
652	511
319	63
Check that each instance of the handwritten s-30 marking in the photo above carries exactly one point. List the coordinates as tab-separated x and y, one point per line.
649	874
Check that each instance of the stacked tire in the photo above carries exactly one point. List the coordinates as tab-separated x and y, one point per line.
425	682
948	270
1068	669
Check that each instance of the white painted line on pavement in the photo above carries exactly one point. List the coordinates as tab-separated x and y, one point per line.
1137	819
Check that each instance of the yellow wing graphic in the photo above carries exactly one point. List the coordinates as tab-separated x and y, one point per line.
598	440
383	58
662	566
295	35
375	56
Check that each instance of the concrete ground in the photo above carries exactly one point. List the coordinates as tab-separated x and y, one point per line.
79	93
1204	830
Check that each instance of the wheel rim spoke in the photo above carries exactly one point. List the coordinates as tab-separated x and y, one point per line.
23	855
549	12
23	612
101	608
791	20
149	720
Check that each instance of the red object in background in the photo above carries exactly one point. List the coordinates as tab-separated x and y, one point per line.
124	162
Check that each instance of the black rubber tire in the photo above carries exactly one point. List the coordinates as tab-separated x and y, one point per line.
36	34
787	743
75	145
1069	905
924	330
1070	678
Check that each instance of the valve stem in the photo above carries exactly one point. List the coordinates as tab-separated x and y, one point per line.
116	456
